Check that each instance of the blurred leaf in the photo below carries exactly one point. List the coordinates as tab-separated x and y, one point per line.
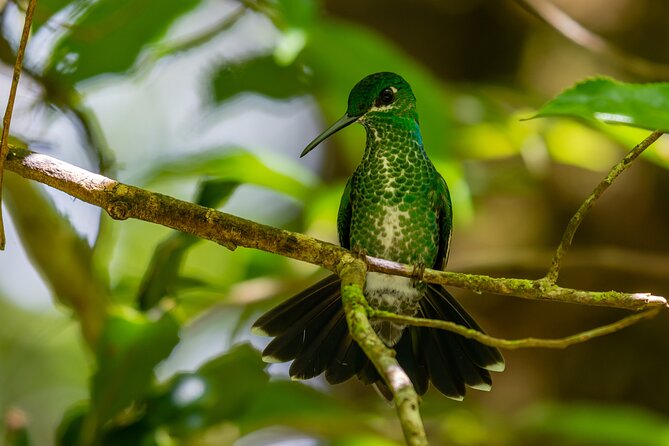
593	424
162	275
239	166
299	406
570	142
610	101
130	347
631	136
134	434
261	75
297	13
222	389
69	429
48	8
214	193
365	440
44	231
110	35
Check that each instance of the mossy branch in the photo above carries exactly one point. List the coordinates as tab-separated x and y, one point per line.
352	272
122	201
539	289
513	344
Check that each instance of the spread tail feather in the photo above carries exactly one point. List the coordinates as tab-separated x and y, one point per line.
310	329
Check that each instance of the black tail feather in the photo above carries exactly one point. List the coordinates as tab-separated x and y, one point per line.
347	362
285	315
411	357
316	355
292	342
368	373
444	374
310	329
448	309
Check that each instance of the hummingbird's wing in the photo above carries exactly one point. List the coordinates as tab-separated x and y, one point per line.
445	216
344	217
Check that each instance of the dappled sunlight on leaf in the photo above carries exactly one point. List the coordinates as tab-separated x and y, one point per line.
575	144
611	101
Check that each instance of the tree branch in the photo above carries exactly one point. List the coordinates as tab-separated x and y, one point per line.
539	289
352	272
512	344
7	118
123	201
578	217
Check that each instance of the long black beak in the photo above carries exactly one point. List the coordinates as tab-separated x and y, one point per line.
344	121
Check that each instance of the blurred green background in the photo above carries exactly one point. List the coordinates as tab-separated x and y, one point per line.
212	101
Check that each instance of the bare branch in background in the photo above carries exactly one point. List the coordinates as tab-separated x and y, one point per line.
7	118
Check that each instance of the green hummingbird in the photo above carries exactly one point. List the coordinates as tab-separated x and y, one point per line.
395	206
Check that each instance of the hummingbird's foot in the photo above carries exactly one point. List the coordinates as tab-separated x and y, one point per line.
417	274
359	252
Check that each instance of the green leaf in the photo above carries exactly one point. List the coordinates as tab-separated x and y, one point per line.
70	274
46	9
607	100
593	424
299	406
110	35
71	425
261	75
162	275
287	177
72	430
130	347
222	389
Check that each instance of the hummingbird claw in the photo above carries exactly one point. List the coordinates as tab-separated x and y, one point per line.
359	252
417	274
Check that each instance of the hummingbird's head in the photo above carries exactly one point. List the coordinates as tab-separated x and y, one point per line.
377	95
381	93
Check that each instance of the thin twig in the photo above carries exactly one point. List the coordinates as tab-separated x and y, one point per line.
539	289
578	217
593	42
513	344
352	272
123	201
7	119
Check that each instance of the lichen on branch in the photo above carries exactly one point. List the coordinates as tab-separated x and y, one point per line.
122	201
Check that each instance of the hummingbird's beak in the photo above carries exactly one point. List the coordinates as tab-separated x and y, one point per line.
345	121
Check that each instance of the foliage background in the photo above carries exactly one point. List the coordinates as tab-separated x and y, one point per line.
221	96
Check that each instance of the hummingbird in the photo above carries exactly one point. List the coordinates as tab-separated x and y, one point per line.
395	206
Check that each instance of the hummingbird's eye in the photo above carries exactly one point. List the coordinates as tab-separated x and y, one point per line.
386	97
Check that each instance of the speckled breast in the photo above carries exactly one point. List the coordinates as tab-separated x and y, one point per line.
393	213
